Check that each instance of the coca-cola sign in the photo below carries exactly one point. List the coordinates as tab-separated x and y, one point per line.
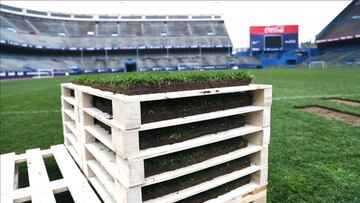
274	29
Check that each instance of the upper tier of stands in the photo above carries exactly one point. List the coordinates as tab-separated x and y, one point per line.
345	26
40	32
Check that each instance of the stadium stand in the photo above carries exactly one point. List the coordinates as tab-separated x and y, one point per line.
32	40
339	41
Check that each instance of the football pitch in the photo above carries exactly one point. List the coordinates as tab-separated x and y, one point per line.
312	158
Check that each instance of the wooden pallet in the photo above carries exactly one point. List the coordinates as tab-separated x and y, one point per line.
41	189
114	164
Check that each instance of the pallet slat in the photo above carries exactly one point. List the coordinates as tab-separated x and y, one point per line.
202	165
7	171
102	176
70	113
173	197
105	157
104	194
101	134
200	117
234	194
38	178
196	142
77	184
69	100
23	194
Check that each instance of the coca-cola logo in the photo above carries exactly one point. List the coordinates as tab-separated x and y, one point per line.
274	29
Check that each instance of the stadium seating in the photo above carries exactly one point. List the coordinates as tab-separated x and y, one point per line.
347	23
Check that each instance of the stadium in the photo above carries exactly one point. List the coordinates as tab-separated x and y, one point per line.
170	108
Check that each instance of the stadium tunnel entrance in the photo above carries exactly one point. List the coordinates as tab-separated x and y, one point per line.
130	65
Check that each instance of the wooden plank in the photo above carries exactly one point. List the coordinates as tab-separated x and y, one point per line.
73	153
70	113
235	195
201	117
251	148
69	99
71	137
38	177
78	186
105	157
101	116
101	134
7	174
254	197
176	196
127	114
196	142
104	194
106	180
71	126
24	194
20	158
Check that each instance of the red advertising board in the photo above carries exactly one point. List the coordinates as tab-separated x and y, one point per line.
274	29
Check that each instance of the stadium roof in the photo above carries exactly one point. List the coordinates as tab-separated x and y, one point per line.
345	26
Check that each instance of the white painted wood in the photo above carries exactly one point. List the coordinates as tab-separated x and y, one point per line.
126	142
196	142
70	113
78	186
71	137
102	176
7	173
238	192
73	154
251	148
127	114
69	99
201	117
101	134
71	126
205	186
105	157
24	194
20	158
104	194
253	197
101	116
38	177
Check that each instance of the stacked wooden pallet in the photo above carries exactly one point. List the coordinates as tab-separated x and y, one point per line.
107	146
41	188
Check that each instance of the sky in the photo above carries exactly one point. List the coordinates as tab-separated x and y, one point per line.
311	16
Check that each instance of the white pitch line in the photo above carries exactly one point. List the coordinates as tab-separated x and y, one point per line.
28	112
314	96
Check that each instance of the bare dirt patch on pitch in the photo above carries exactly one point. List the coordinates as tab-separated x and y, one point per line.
332	114
344	101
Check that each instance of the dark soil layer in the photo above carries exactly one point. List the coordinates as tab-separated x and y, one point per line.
192	156
180	133
152	111
150	88
102	104
177	184
216	192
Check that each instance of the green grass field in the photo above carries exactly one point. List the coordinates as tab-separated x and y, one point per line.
312	159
